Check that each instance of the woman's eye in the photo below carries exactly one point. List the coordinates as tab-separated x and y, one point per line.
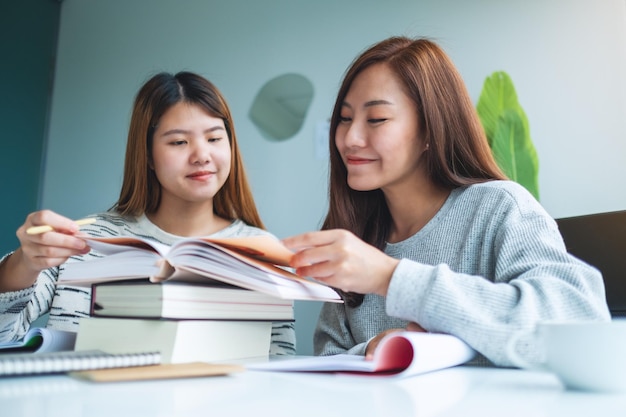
344	119
211	140
374	121
178	142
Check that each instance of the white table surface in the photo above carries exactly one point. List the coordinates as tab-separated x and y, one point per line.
461	391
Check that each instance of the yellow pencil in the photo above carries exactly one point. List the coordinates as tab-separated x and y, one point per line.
35	230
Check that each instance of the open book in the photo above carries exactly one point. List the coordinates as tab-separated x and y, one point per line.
41	339
255	262
400	353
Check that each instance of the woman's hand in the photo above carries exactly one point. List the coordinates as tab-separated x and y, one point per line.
373	344
40	251
45	250
341	260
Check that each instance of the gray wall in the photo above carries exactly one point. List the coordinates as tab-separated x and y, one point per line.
566	57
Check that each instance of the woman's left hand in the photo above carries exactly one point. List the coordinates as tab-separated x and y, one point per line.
373	344
341	260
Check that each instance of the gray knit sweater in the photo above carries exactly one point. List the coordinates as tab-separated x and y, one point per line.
490	263
66	304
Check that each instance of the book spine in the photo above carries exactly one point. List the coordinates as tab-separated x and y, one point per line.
93	298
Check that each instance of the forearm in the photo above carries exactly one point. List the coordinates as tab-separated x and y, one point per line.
14	276
485	314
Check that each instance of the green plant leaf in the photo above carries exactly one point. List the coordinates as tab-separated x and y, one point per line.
514	151
507	130
498	94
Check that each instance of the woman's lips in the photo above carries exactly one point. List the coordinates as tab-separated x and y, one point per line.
200	175
354	160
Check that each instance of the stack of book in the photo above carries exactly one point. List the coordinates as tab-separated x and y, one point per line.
205	299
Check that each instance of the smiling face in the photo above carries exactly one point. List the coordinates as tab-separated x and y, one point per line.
377	135
190	155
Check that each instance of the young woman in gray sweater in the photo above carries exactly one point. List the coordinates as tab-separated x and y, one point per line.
423	230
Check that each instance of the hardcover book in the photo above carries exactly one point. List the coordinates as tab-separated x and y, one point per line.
178	341
181	300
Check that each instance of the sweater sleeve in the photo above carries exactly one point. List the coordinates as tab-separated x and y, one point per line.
283	341
18	309
534	279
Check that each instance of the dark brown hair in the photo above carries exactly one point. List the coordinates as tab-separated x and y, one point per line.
141	190
458	153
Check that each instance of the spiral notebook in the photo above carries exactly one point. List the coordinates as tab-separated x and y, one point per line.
15	364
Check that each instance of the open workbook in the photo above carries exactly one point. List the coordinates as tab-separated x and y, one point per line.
255	262
400	353
41	339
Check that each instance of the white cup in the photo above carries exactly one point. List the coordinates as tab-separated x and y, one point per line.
588	356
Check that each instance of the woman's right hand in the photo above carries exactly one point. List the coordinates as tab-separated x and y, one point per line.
40	251
341	260
48	249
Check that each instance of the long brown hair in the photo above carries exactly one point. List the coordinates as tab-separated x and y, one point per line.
458	154
141	190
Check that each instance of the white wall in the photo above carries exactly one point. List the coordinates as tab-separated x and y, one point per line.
567	59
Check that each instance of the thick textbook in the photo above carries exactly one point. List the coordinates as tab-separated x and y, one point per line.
15	364
400	353
179	341
181	300
256	263
41	339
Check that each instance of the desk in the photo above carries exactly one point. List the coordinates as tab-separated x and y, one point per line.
461	391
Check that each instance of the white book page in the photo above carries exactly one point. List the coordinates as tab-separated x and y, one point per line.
400	354
107	247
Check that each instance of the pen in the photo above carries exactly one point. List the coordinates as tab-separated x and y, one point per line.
35	230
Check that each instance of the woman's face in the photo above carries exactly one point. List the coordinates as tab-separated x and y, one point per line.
190	155
377	134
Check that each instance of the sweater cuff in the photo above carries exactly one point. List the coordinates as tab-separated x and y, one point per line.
407	290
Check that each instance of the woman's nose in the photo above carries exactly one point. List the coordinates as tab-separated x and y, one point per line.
201	154
353	135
